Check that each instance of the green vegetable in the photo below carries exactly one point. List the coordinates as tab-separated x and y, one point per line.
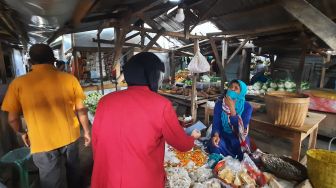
92	100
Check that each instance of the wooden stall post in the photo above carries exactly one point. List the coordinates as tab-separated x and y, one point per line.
193	88
299	71
219	63
74	54
241	65
2	67
325	61
172	67
100	63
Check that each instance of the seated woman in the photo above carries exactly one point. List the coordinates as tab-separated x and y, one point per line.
232	114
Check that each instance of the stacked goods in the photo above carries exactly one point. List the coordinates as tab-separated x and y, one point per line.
243	174
280	85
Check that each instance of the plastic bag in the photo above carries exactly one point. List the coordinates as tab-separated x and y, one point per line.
199	64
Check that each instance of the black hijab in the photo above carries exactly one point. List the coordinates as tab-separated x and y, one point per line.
144	69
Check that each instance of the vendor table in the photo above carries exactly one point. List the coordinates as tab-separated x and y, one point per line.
261	122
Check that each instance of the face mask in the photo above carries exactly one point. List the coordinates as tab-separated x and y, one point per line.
232	94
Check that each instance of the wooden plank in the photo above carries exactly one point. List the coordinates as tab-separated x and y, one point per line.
321	25
153	41
193	88
187	23
242	44
325	61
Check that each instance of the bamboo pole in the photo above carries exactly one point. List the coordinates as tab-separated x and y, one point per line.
100	64
193	88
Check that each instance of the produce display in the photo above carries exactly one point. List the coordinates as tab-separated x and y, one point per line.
187	91
92	100
192	169
181	76
259	88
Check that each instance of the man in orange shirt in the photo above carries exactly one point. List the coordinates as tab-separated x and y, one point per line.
51	102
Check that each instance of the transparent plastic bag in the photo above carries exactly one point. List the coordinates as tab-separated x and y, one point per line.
199	64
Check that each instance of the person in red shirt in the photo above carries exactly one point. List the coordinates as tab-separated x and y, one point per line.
131	128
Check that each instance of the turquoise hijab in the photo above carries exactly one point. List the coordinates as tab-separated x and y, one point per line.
239	106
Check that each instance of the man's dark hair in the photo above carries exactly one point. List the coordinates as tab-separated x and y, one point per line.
41	54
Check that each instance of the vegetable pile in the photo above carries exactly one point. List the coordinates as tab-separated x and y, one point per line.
92	100
280	85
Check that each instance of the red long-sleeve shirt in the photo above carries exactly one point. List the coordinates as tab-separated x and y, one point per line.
128	136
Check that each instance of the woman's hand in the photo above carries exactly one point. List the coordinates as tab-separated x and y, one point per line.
196	134
215	140
231	104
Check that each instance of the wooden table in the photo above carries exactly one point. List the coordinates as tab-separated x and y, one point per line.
261	122
186	100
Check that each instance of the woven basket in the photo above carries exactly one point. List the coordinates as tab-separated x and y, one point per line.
321	166
287	109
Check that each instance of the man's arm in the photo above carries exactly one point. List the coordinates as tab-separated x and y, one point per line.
14	121
84	121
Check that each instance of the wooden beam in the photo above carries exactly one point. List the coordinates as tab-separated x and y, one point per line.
312	18
151	38
323	72
153	41
247	13
132	36
190	45
142	33
126	45
237	50
168	33
255	31
187	23
82	9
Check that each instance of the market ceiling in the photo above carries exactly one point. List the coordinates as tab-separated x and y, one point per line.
32	21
